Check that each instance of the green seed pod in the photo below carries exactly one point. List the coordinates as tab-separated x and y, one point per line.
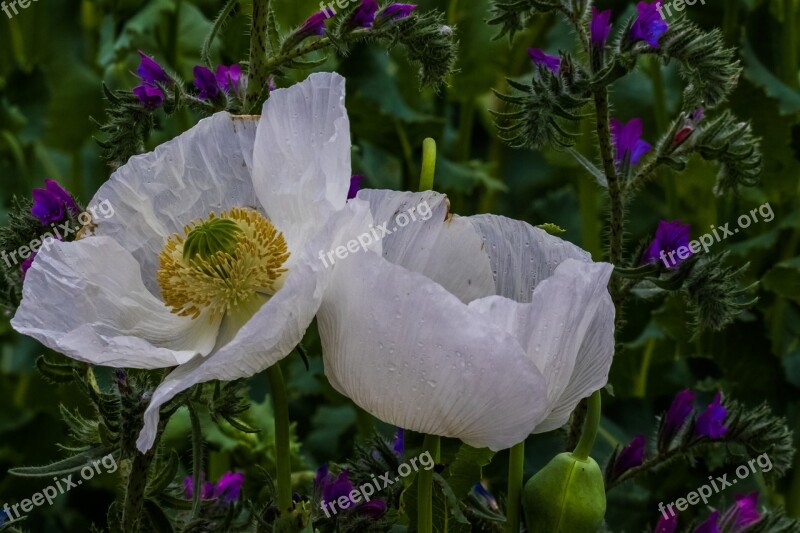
566	496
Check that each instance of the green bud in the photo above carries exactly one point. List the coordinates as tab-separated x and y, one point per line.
566	496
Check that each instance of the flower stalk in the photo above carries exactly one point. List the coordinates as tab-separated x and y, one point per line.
516	474
584	448
280	402
258	71
432	445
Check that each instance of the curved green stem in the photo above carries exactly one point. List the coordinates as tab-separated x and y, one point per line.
584	448
197	460
425	491
428	165
280	401
516	474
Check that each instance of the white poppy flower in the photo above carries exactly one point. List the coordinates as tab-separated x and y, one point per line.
210	262
480	328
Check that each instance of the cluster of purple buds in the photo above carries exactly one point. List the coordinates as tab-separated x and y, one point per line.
710	423
333	489
367	15
50	205
226	80
153	77
226	490
737	519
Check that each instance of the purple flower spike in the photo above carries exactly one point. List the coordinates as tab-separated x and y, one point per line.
649	25
600	27
314	25
150	71
631	456
52	203
542	59
711	423
206	83
149	95
667	524
229	487
207	489
711	525
355	186
397	11
671	246
628	141
682	406
364	14
228	78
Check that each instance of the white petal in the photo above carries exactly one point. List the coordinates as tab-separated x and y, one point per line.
86	300
301	162
275	330
567	331
154	195
413	355
425	238
522	255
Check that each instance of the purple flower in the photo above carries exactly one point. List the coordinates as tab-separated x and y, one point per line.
711	423
631	456
149	95
364	15
396	11
482	492
710	525
206	83
355	186
667	524
600	27
628	141
27	264
743	514
150	71
541	59
671	238
52	203
314	25
229	487
682	406
332	489
649	24
399	442
228	78
207	488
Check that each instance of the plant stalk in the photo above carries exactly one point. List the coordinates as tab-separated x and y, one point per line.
432	445
516	474
280	401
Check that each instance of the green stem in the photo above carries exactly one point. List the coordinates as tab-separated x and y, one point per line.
584	448
428	165
197	460
640	387
134	492
258	70
431	444
280	401
516	474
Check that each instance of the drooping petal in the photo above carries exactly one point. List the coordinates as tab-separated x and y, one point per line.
301	164
105	315
522	256
566	330
206	169
434	368
445	248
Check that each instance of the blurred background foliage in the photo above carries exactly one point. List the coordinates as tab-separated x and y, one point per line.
55	55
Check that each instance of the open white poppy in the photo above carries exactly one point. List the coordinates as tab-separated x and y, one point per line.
210	262
480	328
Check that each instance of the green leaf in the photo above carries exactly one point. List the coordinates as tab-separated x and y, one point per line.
784	279
755	71
67	466
466	470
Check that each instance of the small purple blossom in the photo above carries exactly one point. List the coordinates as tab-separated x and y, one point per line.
691	124
228	78
150	71
631	456
229	487
628	142
667	524
743	514
27	264
396	11
207	488
149	95
314	25
672	238
649	24
682	406
600	27
206	83
331	489
364	15
491	502
355	186
399	442
711	525
53	203
711	423
540	58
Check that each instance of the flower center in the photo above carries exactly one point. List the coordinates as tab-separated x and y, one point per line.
227	263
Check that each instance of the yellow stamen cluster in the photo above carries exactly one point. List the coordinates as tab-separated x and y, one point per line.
221	280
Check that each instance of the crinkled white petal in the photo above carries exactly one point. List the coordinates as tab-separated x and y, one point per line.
301	163
567	331
86	300
425	238
521	255
206	169
275	330
412	354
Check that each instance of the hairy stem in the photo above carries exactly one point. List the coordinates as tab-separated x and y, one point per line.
135	490
197	460
258	70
